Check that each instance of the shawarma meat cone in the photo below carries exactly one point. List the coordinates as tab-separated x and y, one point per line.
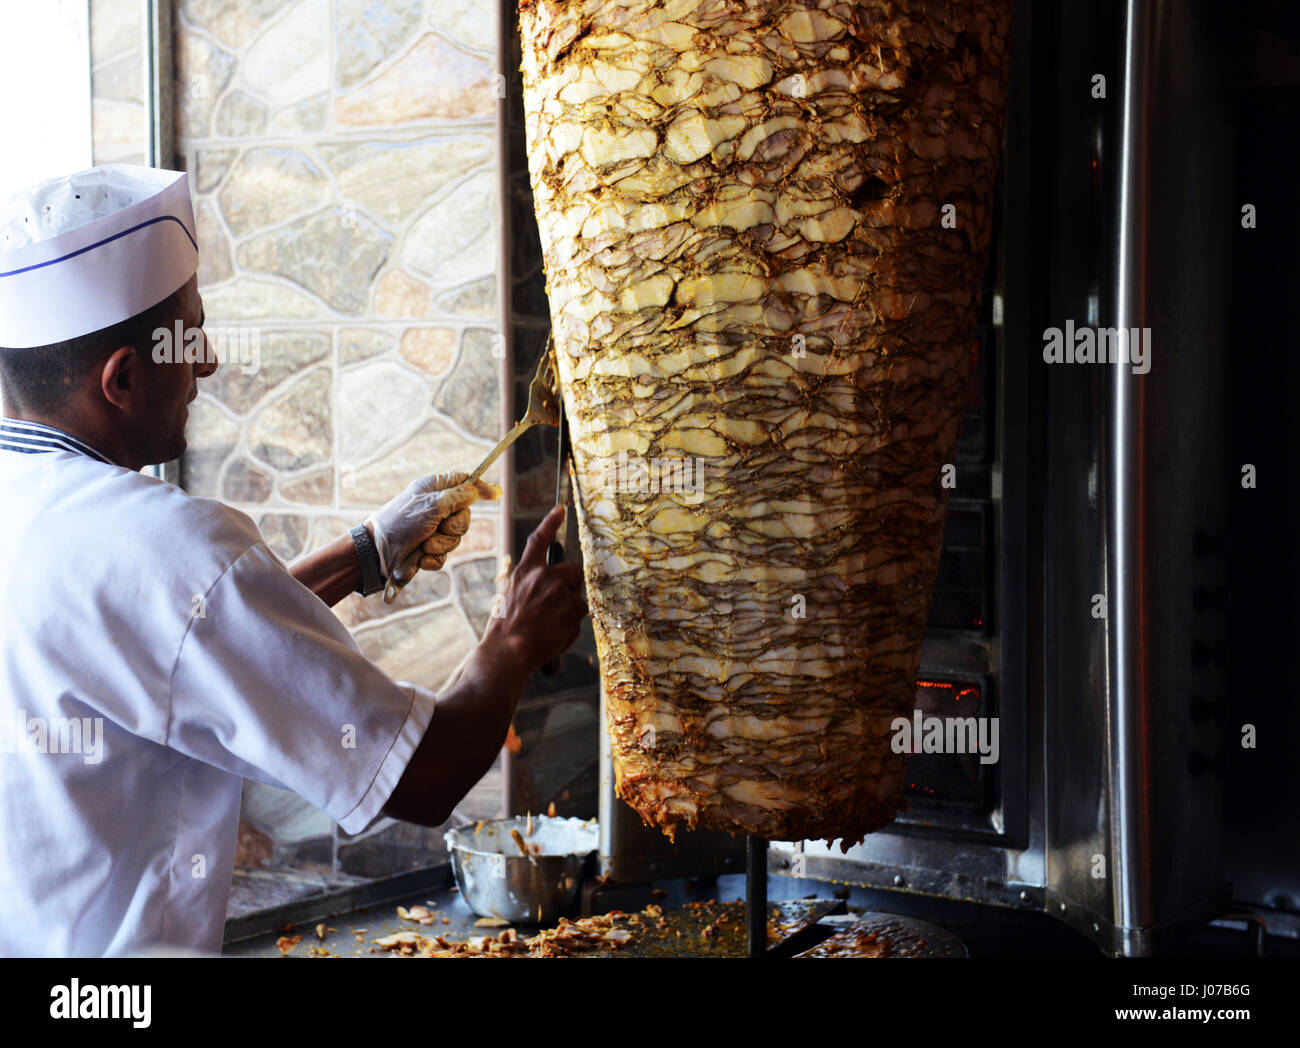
764	228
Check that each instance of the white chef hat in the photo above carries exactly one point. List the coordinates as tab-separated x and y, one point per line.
83	252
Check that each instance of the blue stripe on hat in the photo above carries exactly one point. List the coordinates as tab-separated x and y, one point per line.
106	240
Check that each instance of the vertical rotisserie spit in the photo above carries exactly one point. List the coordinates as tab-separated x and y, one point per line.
765	226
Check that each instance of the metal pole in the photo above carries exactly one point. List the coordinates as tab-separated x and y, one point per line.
160	147
1129	727
160	83
756	895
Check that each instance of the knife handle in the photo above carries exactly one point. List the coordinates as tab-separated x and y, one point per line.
410	566
554	555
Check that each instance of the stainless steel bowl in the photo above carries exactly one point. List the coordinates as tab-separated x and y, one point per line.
496	880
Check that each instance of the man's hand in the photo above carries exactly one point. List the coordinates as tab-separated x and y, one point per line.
539	618
543	607
431	515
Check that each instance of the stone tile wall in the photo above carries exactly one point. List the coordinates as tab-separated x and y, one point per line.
342	160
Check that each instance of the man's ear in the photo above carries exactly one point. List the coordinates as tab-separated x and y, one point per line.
120	377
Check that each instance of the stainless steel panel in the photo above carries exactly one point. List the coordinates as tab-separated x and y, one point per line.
1133	828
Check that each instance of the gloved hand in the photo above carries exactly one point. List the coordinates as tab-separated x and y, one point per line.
430	516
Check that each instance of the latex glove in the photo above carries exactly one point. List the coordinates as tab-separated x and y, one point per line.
430	517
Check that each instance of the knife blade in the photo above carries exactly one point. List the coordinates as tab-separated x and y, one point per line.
555	551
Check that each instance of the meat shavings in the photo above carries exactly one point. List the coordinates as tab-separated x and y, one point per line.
875	938
585	935
702	928
590	933
399	939
419	914
850	943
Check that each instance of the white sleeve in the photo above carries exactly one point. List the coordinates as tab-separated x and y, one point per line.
268	684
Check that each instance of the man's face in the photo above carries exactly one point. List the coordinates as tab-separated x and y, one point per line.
174	385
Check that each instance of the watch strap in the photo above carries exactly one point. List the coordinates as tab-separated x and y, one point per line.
372	578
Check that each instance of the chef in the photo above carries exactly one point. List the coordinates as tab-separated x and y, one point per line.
155	651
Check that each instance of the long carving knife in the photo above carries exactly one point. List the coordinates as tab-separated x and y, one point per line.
555	551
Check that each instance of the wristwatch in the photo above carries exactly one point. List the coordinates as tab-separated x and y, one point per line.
372	577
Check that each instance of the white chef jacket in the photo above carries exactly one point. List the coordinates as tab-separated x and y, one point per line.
161	625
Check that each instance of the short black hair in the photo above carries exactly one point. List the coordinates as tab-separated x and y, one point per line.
42	377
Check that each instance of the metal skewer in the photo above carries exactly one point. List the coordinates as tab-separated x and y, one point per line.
555	552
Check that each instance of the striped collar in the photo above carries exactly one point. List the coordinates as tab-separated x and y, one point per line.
32	438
